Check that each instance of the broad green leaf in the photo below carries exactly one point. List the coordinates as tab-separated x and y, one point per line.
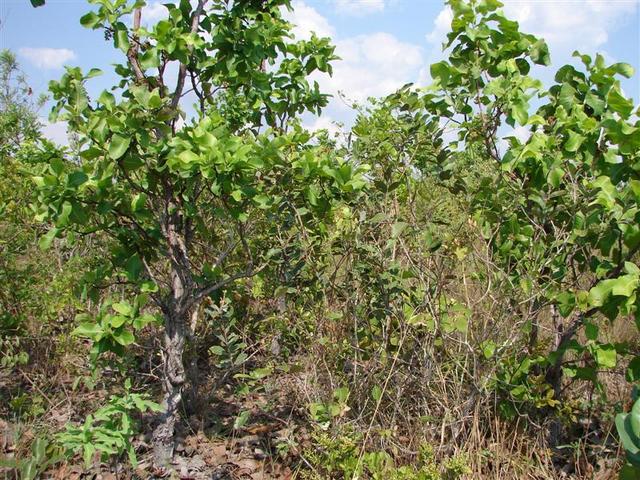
519	111
599	293
121	38
574	142
625	285
118	146
117	321
440	71
123	308
620	104
45	241
591	331
397	228
89	330
123	337
606	356
623	69
90	20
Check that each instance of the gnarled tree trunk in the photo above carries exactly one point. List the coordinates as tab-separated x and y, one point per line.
172	383
175	333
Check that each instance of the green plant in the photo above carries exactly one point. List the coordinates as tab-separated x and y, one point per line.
628	426
230	351
324	412
190	195
43	456
109	430
111	330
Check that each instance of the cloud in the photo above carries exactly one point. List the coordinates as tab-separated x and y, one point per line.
47	58
324	122
441	26
565	24
359	7
306	20
371	65
56	132
568	24
154	12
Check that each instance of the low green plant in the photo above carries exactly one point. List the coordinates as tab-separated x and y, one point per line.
230	350
43	455
324	412
340	455
112	328
109	430
628	426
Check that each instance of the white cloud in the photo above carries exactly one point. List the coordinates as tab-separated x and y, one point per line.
570	24
441	26
372	65
56	132
306	20
564	24
48	58
359	7
154	12
324	122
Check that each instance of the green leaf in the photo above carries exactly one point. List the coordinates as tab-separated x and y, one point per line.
599	293
144	320
619	104
633	370
77	178
397	228
124	337
89	330
149	59
118	146
440	71
606	356
122	308
623	69
376	393
519	111
591	331
37	3
117	321
138	202
573	142
555	177
242	419
90	20
625	285
121	39
567	96
540	53
45	241
488	348
134	267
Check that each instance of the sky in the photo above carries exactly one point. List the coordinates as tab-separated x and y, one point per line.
383	44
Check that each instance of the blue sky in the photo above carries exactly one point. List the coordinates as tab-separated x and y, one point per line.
383	43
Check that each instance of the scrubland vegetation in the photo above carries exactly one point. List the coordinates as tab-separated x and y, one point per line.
198	287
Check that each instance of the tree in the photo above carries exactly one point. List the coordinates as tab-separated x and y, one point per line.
560	209
187	178
19	126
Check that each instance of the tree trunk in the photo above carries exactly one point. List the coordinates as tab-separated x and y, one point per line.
172	383
175	332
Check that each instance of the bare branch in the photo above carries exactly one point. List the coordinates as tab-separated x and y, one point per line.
182	73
